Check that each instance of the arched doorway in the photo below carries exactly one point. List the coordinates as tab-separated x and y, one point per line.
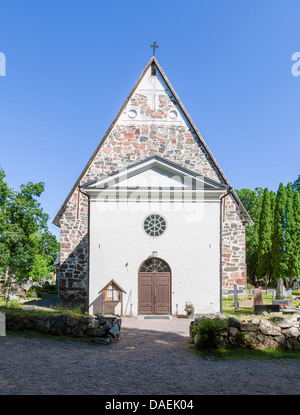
154	287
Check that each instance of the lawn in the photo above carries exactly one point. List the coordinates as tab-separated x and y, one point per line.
228	306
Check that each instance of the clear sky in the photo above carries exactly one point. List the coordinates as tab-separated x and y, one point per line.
72	63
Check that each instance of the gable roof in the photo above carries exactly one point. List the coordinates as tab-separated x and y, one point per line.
153	61
112	281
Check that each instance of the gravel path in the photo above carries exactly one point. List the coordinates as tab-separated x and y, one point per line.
152	357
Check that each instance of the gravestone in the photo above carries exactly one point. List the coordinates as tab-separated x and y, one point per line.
279	289
33	294
289	293
270	291
296	285
269	308
257	297
257	300
235	293
279	299
2	324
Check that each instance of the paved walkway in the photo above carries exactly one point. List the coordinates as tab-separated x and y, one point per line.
152	357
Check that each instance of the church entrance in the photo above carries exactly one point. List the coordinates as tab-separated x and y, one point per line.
154	287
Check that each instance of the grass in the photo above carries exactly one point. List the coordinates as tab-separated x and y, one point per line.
17	310
228	307
248	354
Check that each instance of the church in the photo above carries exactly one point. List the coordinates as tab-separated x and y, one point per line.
152	223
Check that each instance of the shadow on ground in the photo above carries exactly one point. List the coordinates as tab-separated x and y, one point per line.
142	362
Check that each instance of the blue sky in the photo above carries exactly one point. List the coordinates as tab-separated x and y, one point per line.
71	65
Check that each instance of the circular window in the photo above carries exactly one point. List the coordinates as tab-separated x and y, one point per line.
155	225
132	113
173	114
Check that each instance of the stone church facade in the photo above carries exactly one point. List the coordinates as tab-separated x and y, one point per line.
152	121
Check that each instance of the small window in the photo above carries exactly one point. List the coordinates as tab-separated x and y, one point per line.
154	265
155	225
112	293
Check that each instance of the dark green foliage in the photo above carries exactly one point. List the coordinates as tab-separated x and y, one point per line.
207	331
252	201
278	233
295	261
290	250
25	243
273	242
32	290
264	267
296	184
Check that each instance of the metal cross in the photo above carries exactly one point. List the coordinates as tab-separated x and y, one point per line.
154	46
235	291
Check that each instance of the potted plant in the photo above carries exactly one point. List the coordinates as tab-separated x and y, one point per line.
189	308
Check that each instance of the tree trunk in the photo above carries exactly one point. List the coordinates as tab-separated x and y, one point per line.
267	279
291	281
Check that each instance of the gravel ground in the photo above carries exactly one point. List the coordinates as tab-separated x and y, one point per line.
152	357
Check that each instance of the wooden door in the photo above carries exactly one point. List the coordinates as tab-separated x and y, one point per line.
146	293
154	293
162	293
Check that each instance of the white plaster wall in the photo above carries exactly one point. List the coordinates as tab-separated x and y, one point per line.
190	247
152	87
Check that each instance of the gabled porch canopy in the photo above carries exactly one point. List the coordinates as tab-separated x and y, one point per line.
155	173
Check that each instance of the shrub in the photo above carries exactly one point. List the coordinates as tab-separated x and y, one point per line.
50	287
37	290
207	332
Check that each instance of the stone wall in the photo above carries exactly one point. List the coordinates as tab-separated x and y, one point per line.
103	330
129	142
255	333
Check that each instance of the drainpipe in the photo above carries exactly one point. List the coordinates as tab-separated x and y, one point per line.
88	272
221	247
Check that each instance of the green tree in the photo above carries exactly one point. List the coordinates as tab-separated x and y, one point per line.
50	249
21	217
290	248
252	199
264	266
39	267
296	184
278	238
45	248
296	209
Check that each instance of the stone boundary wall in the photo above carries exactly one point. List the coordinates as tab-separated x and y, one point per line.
103	330
276	332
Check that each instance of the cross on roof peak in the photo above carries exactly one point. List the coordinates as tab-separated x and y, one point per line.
154	46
